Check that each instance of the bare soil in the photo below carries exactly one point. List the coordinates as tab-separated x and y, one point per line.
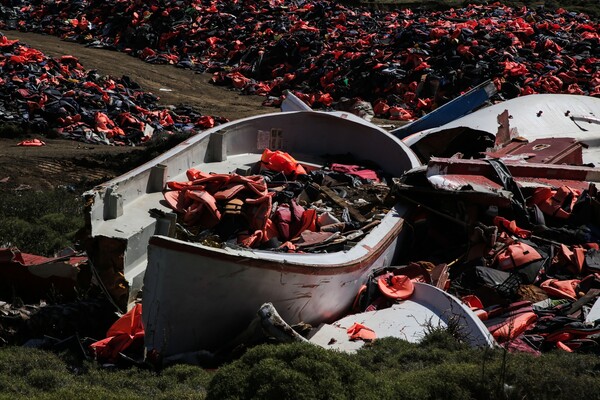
67	162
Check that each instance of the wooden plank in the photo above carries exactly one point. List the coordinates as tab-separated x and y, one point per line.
354	213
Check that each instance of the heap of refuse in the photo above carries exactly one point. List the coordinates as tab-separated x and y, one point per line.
46	95
528	268
404	62
511	248
281	207
42	300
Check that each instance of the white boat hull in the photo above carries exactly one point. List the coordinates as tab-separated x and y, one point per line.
428	308
118	218
197	297
536	116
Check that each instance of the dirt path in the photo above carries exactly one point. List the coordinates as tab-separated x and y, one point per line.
65	162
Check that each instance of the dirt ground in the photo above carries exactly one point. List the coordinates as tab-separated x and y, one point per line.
67	162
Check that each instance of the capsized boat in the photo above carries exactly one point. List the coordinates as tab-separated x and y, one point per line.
429	308
546	141
535	117
453	110
198	296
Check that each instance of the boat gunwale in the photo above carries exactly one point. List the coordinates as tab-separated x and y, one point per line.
355	264
203	135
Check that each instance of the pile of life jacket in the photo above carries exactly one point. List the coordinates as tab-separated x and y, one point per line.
279	208
44	94
536	294
404	62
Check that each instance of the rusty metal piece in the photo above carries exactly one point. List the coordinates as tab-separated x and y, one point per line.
544	151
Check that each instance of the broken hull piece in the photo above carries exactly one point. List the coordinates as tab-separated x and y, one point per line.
454	109
532	117
196	296
428	308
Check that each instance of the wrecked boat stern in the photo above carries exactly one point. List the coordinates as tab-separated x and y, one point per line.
116	243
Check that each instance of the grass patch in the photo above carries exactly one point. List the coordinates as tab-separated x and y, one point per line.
36	374
394	369
295	371
388	369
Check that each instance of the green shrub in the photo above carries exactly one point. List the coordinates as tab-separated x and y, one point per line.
293	371
447	380
301	371
40	222
29	371
181	382
36	374
556	375
190	375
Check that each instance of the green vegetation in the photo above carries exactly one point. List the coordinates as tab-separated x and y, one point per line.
40	222
389	369
45	222
36	374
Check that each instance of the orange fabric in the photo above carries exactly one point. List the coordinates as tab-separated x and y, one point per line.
197	200
105	125
308	223
564	347
554	202
259	211
560	337
194	174
31	143
476	306
481	314
561	289
399	113
472	301
126	331
575	258
177	200
381	108
281	162
203	209
229	192
360	332
514	327
252	240
511	226
269	231
516	255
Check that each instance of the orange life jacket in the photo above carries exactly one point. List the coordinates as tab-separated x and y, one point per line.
516	255
514	326
557	203
281	162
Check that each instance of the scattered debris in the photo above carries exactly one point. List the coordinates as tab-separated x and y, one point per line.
31	143
504	234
